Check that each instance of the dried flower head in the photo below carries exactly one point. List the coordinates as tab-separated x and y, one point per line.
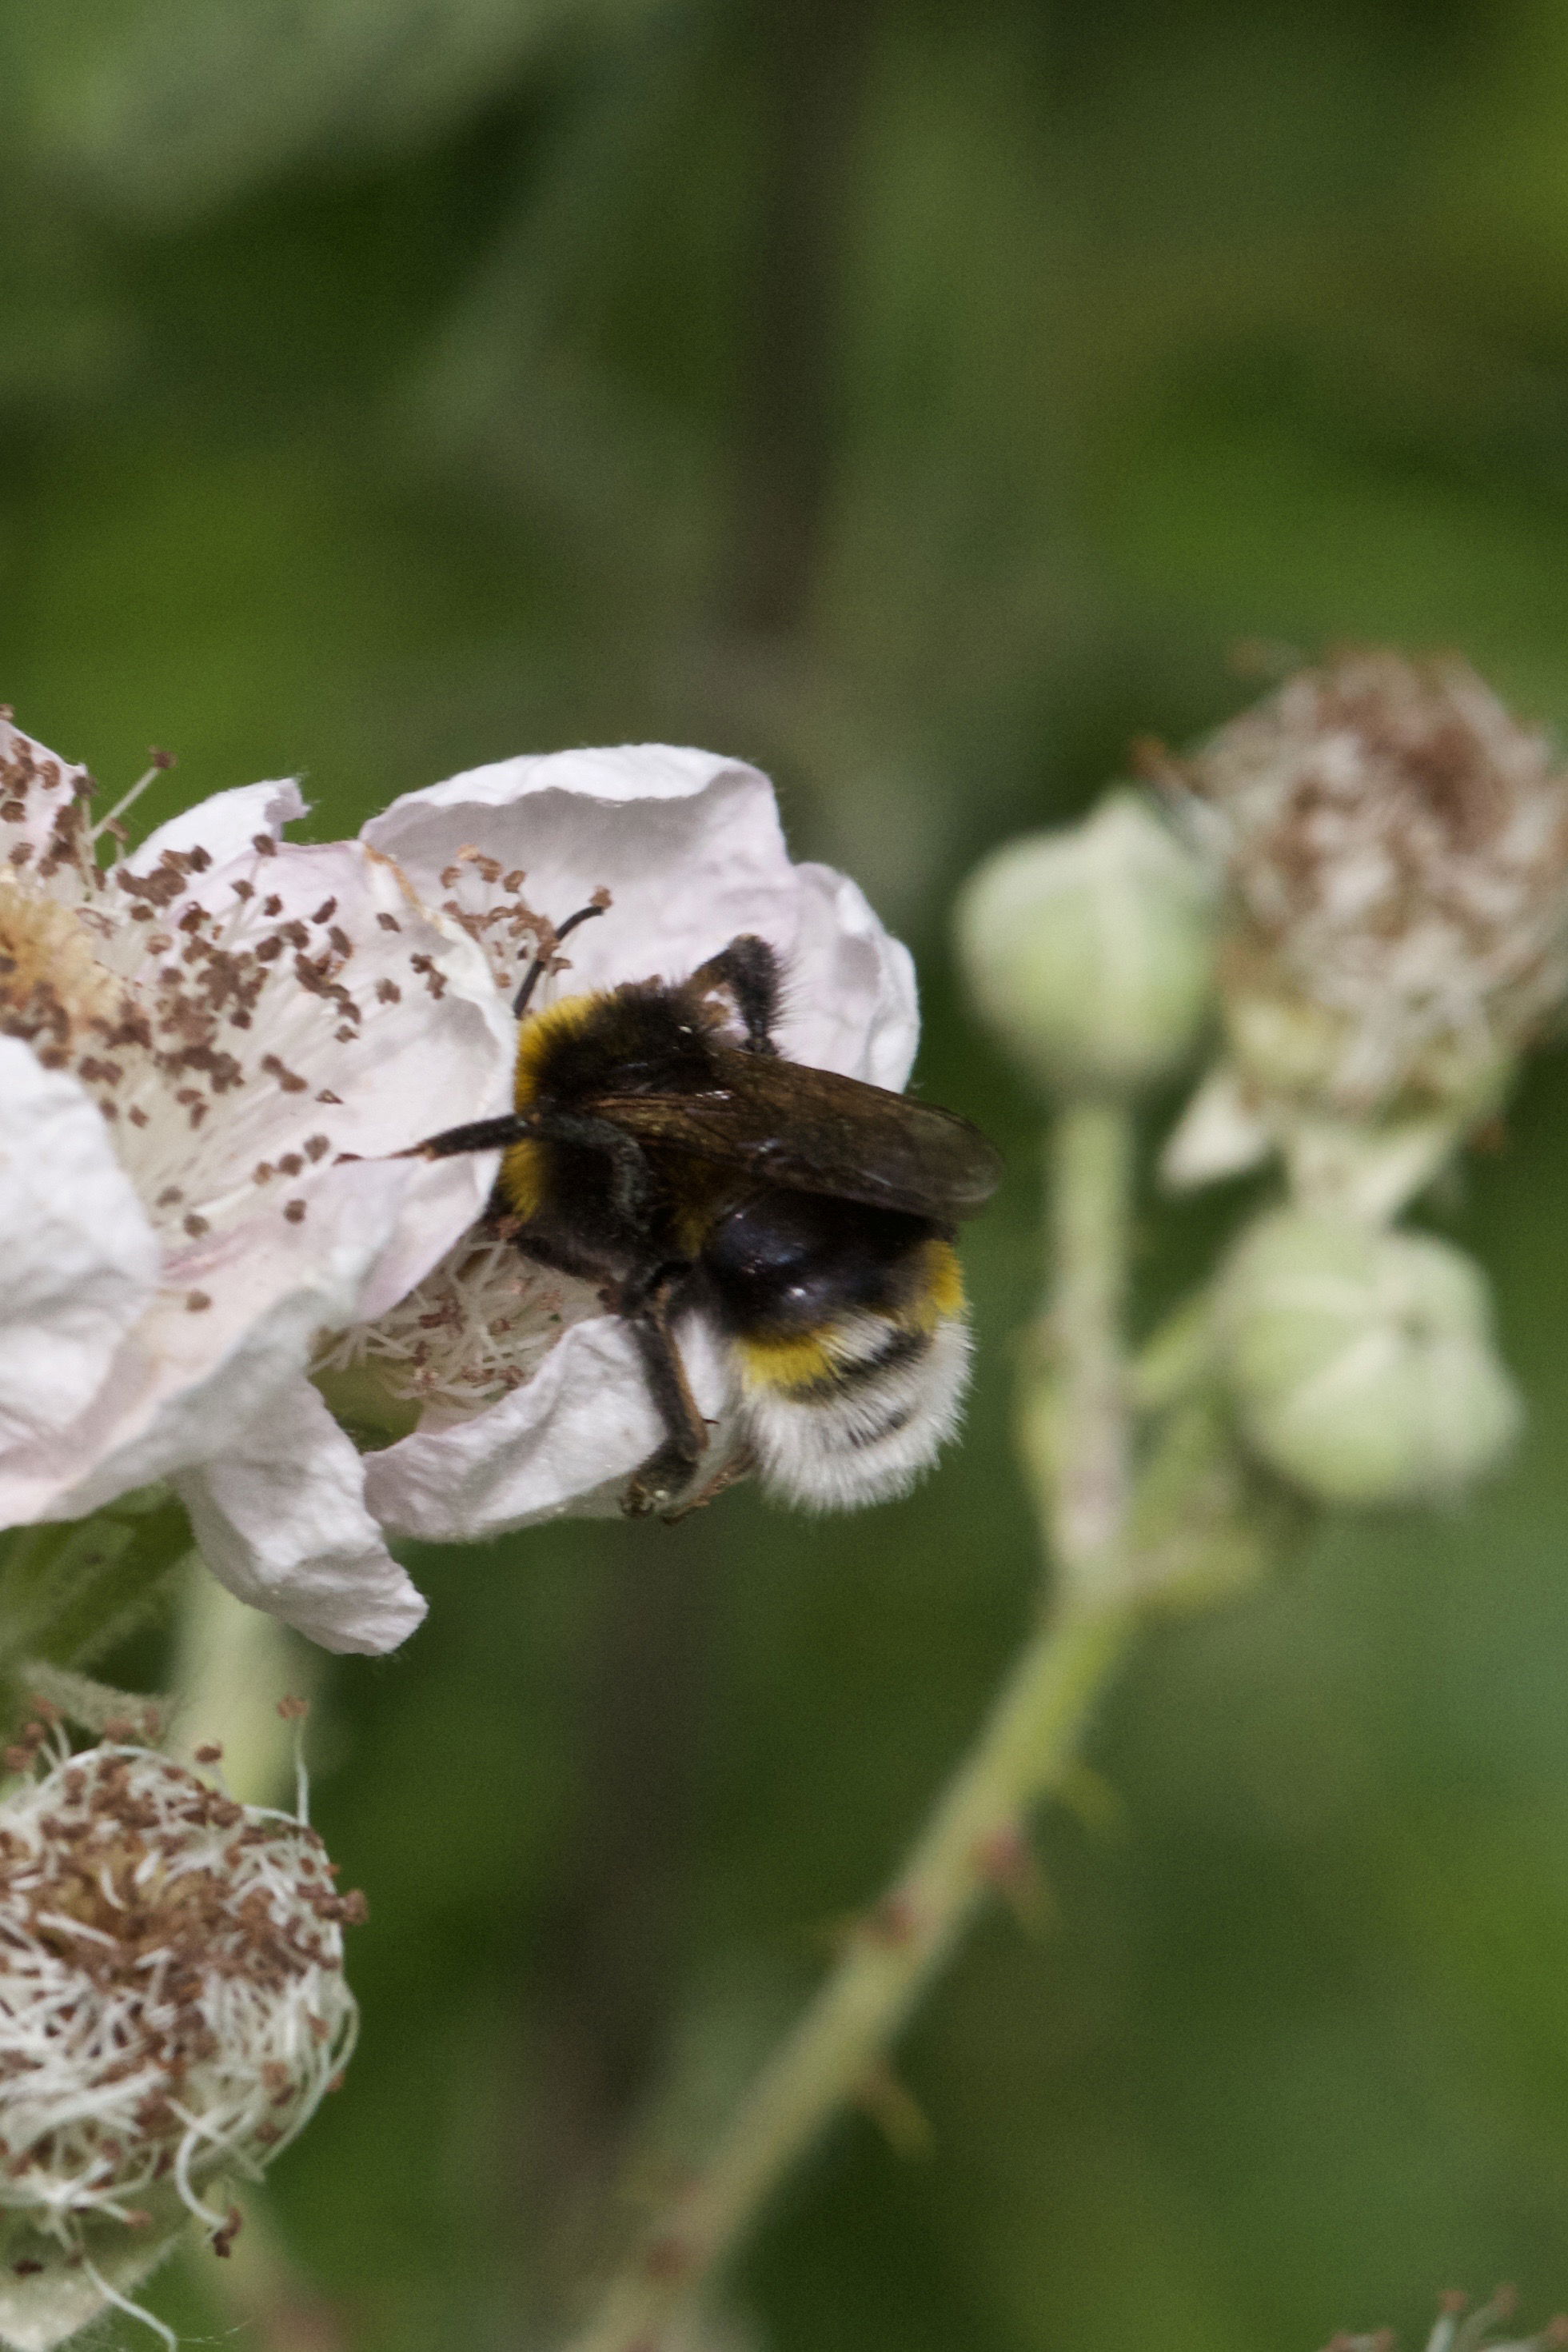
172	2004
1396	851
1396	847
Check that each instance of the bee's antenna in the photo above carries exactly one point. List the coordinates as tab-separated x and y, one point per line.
540	964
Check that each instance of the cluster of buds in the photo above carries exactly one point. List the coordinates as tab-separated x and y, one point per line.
172	2007
1368	898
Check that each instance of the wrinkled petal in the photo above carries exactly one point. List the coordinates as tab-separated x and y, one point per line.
567	1440
80	1258
281	1520
226	825
690	848
1219	1134
855	1007
187	1382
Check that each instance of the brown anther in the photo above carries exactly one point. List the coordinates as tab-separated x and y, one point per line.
293	1710
294	1210
197	1302
210	1753
223	2240
119	1726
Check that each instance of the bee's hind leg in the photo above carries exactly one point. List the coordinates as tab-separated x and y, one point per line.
660	1481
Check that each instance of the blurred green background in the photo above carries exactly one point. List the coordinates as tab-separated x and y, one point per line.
922	400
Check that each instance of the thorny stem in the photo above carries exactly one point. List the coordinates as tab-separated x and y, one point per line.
974	1840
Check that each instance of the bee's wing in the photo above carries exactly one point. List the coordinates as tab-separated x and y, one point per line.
813	1132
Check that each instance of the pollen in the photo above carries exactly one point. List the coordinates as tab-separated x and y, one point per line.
54	991
478	1327
169	998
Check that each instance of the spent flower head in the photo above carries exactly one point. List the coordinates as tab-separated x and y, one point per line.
172	2007
1396	849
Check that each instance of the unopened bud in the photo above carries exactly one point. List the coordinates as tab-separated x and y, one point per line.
1360	1360
1090	950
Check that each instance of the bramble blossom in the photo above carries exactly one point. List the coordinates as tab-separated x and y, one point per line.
208	1049
530	1398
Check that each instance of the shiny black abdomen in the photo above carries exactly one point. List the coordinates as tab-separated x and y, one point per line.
785	1261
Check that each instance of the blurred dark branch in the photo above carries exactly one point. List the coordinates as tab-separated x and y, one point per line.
600	1983
811	59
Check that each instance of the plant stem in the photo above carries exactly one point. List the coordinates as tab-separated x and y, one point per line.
1082	1484
973	1842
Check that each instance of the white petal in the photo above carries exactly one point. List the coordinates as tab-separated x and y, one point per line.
80	1259
281	1520
567	1440
687	843
226	825
184	1385
1219	1134
852	1002
183	1382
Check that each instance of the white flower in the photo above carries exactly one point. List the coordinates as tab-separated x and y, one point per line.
207	1052
531	1399
172	2007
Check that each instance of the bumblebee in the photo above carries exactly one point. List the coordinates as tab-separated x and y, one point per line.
662	1150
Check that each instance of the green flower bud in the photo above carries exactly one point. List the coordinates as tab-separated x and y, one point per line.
1091	950
1360	1360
